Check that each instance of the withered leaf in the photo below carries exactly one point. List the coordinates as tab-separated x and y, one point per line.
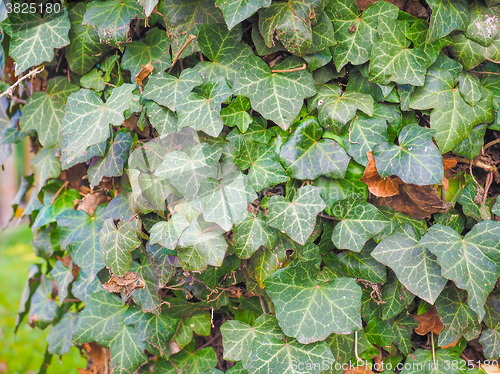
428	322
91	201
98	359
144	73
124	285
381	187
358	370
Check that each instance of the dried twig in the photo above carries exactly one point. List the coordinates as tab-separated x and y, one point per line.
190	38
304	66
480	164
10	90
493	142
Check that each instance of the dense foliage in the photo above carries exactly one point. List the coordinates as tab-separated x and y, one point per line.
196	197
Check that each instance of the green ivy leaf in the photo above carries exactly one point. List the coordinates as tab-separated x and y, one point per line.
63	276
415	267
154	50
359	221
199	323
457	317
452	118
147	297
306	156
356	34
396	298
127	350
162	119
398	219
80	236
44	111
447	15
239	10
167	233
148	5
250	234
84	49
199	361
235	114
112	19
310	310
361	265
460	257
296	218
87	119
46	165
403	328
415	160
59	337
33	39
43	309
471	146
170	91
117	241
277	96
423	362
490	340
333	190
379	332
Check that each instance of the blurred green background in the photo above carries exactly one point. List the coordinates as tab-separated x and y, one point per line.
23	352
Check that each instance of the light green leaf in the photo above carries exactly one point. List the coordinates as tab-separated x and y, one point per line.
148	5
457	317
63	276
470	54
45	165
239	10
112	19
235	114
356	33
59	337
250	234
470	88
296	218
169	91
197	362
127	350
201	245
154	50
447	15
483	24
80	236
452	118
415	159
198	323
359	221
167	233
490	340
379	332
398	219
362	265
277	96
202	111
467	199
117	242
162	119
472	262
310	311
471	146
415	267
224	49
33	39
333	190
87	118
84	49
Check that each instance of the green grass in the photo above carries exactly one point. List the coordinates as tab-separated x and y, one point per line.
23	352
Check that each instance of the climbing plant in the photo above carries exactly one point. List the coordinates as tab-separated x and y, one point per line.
302	186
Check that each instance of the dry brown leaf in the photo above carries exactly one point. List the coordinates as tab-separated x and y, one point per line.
91	201
381	187
491	369
451	345
358	370
98	359
144	73
428	322
75	177
124	285
449	163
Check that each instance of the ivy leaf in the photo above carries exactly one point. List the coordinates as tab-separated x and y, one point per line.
201	245
490	340
238	337
46	165
183	18
84	49
379	332
396	298
447	15
200	324
200	361
273	355
460	257
306	156
457	317
362	265
289	22
148	5
62	276
154	50
264	170
224	49
117	242
415	267
43	309
422	361
169	91
250	234
356	34
162	119
224	202
471	146
202	111
127	350
359	221
403	328
87	118
415	160
235	114
80	236
167	233
452	118
112	19
277	96
147	298
296	218
33	39
239	10
333	190
336	108
310	310
59	336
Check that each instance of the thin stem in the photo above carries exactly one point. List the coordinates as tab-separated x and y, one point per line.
10	90
304	66
190	38
433	349
493	142
356	347
485	72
